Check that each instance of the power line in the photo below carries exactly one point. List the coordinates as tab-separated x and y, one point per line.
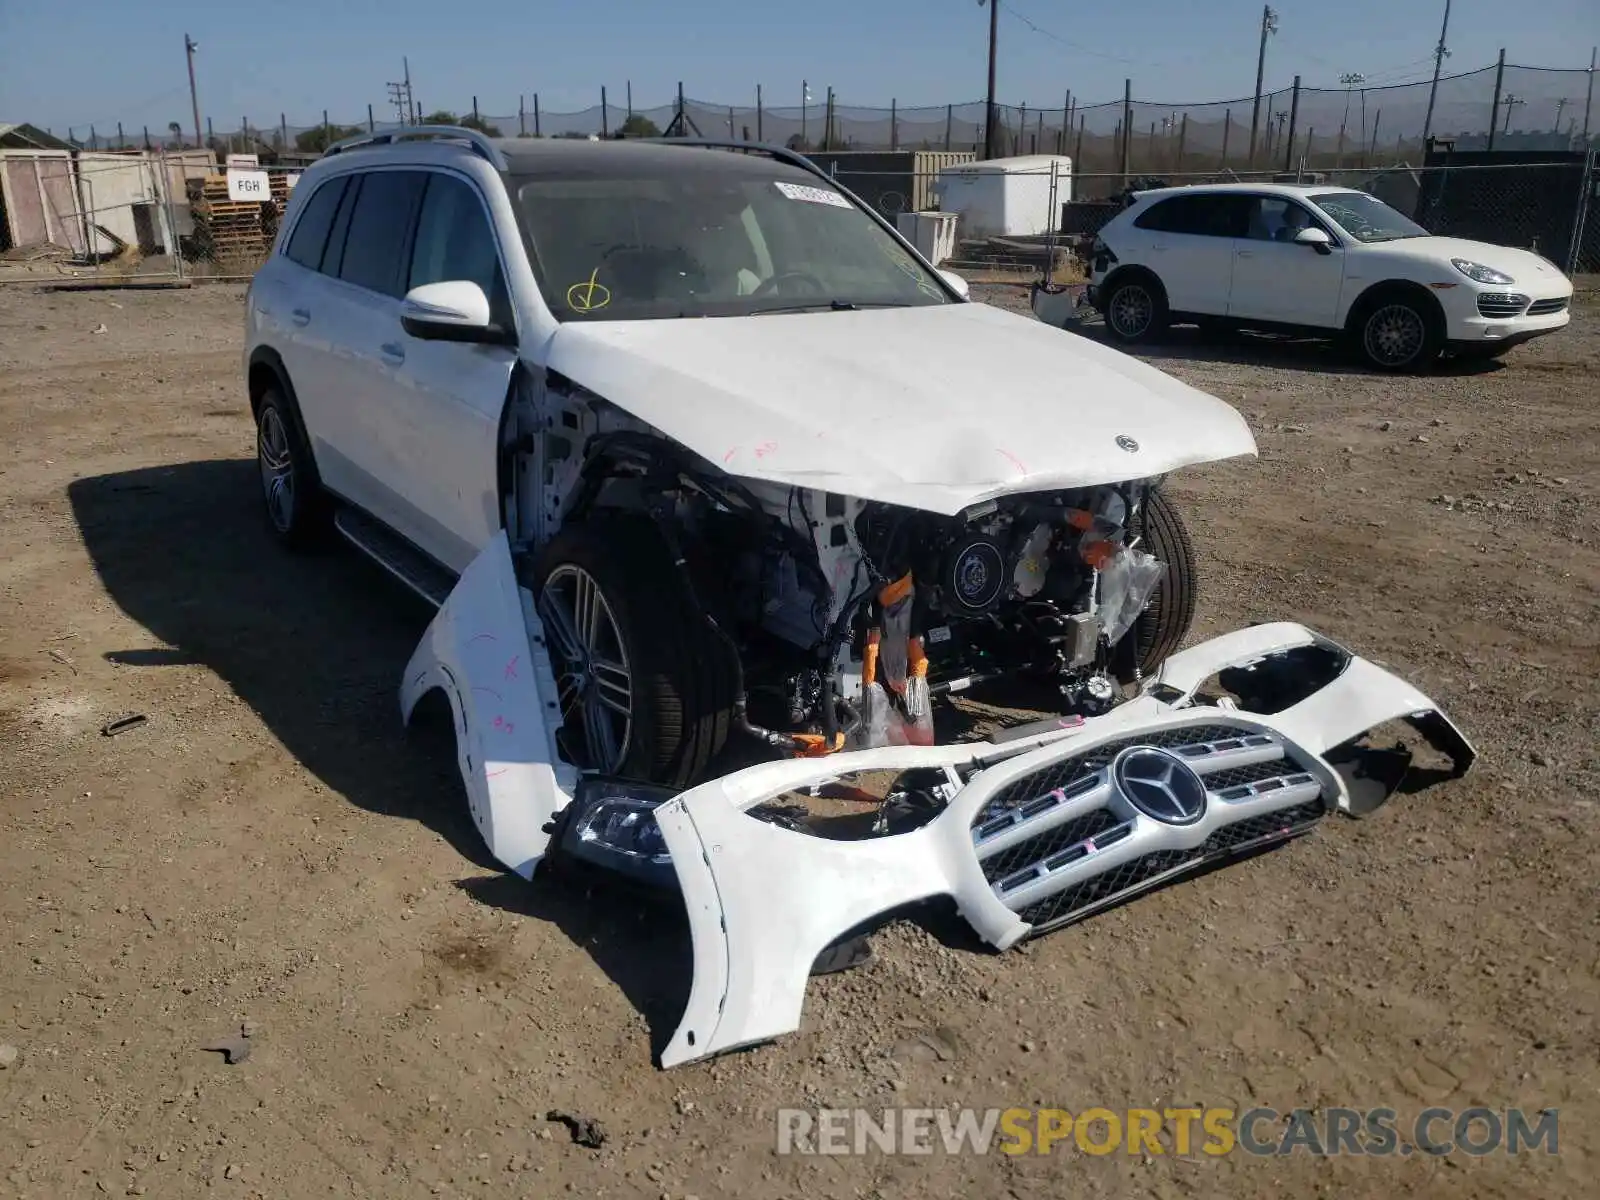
1011	10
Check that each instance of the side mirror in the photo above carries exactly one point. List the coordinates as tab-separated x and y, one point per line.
1317	239
453	311
958	284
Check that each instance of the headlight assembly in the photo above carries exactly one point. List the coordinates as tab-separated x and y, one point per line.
611	823
1479	273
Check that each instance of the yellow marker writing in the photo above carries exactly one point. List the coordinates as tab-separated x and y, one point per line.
589	295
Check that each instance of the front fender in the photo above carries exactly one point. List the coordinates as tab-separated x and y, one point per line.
485	651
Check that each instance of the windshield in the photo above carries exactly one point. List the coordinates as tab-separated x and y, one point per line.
1366	218
619	240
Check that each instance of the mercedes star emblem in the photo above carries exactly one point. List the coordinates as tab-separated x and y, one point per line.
1161	786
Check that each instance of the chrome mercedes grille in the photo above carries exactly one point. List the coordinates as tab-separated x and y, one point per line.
1095	827
1501	304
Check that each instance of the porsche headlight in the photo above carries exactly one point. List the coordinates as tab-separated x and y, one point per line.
1479	273
612	823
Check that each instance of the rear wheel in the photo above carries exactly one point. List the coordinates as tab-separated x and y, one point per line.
1164	623
646	687
297	508
1136	309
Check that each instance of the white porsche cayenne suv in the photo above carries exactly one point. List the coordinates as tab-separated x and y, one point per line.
724	494
1320	259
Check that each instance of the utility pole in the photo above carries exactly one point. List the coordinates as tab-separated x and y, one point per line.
1510	102
1494	105
1269	25
400	96
189	47
1439	55
1588	97
1351	79
989	139
1280	117
1560	104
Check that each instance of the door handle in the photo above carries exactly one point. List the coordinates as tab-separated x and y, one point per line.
1245	253
393	352
300	316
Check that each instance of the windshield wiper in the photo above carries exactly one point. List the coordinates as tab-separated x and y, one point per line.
813	306
830	306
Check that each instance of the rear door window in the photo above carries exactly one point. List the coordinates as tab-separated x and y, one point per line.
1203	215
377	248
333	256
311	230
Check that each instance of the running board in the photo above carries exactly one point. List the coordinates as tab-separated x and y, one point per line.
395	555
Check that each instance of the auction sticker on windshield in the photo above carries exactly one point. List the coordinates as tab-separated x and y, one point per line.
799	191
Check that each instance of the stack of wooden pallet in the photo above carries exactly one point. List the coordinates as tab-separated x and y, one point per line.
235	230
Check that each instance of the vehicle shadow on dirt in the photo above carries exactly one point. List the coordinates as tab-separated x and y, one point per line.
315	644
639	939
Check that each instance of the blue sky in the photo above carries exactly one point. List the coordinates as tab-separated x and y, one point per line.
104	60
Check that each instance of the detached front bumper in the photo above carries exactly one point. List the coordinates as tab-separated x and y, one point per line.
1039	827
1043	833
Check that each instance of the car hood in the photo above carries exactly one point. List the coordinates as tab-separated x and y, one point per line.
935	407
1526	267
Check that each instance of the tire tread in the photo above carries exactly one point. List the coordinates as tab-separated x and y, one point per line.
1165	622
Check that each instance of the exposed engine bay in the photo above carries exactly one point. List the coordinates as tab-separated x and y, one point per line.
850	618
899	606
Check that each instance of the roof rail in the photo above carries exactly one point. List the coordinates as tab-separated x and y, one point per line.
781	153
480	142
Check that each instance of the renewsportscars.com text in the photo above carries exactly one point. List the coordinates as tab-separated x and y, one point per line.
1178	1131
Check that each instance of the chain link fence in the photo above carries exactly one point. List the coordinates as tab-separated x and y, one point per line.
143	206
1501	105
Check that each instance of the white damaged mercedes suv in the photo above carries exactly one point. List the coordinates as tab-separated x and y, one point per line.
725	496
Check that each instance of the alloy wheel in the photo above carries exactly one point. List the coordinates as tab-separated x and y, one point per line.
1132	310
1394	335
277	468
594	683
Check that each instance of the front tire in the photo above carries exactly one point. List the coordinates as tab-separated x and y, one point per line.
1164	623
646	687
291	491
1399	333
1136	310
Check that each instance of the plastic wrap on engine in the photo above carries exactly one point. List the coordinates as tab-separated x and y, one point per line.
1127	581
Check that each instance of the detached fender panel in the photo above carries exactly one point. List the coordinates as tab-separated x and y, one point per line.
485	650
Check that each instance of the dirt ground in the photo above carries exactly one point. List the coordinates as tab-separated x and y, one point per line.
271	847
